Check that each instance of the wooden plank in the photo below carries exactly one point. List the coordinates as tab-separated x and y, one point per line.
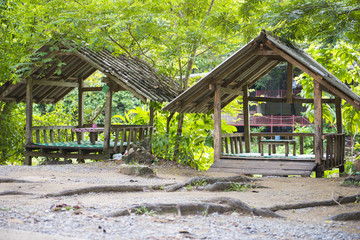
116	148
267	134
51	127
246	118
123	139
283	100
266	164
46	82
301	144
264	172
217	123
52	135
37	136
231	91
232	145
317	123
264	52
259	158
236	142
91	89
44	135
68	155
232	134
289	81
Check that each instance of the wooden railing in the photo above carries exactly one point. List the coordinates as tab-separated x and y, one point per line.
232	143
122	134
335	150
53	134
286	135
119	134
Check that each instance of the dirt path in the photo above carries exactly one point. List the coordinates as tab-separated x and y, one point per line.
42	180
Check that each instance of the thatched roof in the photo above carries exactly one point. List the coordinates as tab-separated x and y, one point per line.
248	65
129	74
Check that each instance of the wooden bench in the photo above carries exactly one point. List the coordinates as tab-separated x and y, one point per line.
271	143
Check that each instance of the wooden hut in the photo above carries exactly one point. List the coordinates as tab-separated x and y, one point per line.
240	71
62	68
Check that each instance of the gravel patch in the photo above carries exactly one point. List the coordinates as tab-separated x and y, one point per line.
90	225
37	215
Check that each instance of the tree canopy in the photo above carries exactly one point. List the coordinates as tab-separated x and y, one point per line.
181	37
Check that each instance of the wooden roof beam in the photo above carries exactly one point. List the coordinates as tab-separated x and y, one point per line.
253	82
55	83
264	73
264	52
312	73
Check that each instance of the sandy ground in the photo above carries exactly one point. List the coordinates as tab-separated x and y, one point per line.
278	190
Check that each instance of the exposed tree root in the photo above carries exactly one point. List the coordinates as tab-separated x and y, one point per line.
340	199
105	189
206	180
227	186
218	205
14	193
12	180
240	205
352	216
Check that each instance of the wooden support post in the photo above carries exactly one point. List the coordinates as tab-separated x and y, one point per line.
107	124
151	122
289	81
217	124
339	126
246	118
152	115
29	117
318	128
81	107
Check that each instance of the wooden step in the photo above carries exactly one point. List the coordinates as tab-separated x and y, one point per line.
264	167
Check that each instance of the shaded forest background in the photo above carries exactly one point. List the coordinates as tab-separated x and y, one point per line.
178	37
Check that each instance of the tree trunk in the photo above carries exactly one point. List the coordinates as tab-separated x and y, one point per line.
178	135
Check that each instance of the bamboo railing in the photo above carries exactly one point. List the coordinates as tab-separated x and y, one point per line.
335	150
120	135
46	134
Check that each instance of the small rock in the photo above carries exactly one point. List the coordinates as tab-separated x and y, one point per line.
137	170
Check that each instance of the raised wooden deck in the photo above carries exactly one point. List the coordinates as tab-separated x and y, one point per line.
61	142
275	165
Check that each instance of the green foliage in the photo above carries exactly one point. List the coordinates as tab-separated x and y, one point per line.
330	20
196	143
144	211
189	187
12	134
239	187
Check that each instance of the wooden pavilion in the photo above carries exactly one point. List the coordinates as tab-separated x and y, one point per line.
240	71
64	67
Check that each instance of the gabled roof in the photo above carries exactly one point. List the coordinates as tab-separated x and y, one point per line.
129	74
248	65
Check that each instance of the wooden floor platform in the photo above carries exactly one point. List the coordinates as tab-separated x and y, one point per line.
264	166
65	150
